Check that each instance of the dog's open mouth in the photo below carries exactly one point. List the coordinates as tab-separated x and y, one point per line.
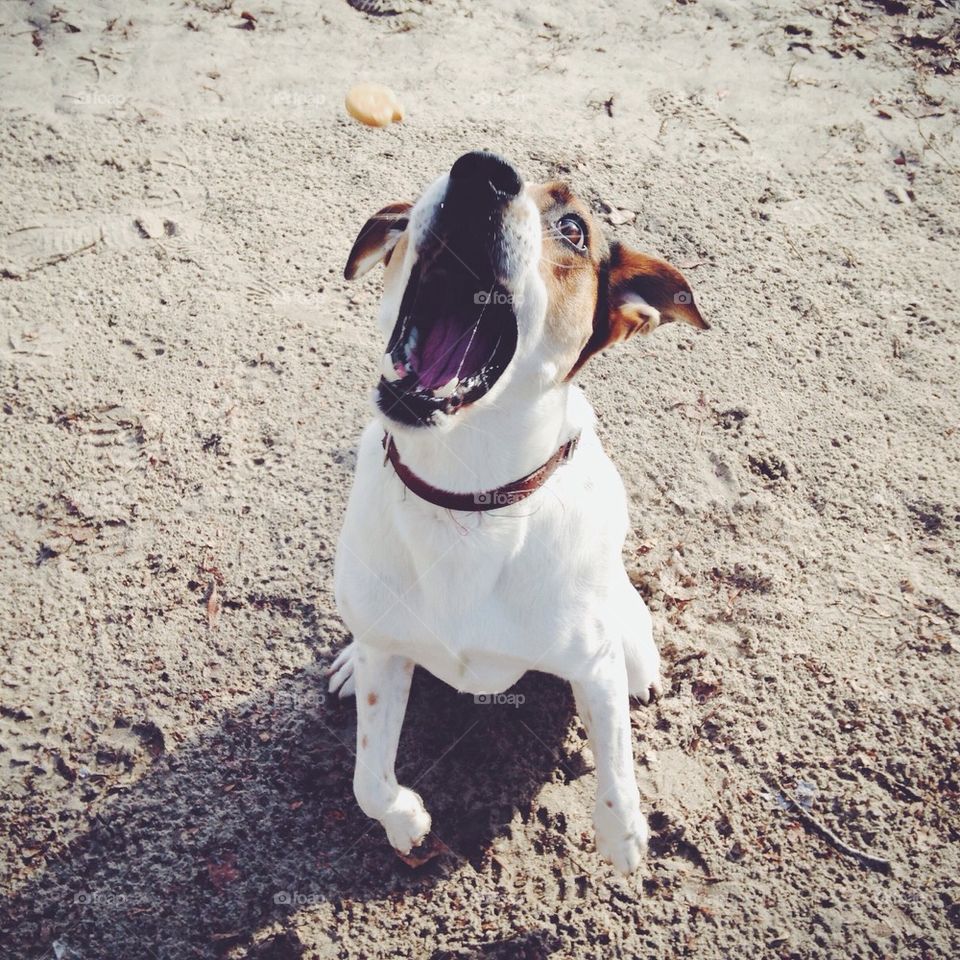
452	341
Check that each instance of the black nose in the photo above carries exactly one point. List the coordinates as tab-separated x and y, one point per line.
482	172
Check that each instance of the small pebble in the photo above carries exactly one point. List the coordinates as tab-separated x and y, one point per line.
620	217
373	104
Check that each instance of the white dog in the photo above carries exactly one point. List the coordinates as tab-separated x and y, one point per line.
484	531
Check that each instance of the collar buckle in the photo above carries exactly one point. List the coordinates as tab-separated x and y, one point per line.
570	448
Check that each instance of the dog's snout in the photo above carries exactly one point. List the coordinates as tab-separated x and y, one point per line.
477	208
482	174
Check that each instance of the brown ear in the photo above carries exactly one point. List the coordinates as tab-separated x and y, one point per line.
637	294
377	238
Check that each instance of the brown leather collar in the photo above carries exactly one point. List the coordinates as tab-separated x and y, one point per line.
488	499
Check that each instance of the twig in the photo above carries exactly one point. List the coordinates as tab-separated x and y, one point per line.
888	783
866	859
870	615
60	257
107	55
96	66
790	243
172	163
927	142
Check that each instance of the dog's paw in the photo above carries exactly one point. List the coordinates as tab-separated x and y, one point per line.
647	692
406	821
622	835
643	669
341	672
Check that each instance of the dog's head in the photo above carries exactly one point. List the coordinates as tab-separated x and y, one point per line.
496	288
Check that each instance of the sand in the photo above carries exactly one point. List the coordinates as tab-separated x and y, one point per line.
184	378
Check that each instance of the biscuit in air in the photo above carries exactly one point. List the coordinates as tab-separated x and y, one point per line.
373	104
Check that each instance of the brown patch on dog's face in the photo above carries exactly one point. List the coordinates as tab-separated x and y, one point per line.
574	250
638	294
600	294
658	283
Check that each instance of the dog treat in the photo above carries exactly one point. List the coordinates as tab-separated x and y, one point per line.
373	104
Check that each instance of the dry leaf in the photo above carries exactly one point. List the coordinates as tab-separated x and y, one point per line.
418	856
222	872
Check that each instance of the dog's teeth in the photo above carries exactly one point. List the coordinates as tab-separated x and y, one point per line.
448	389
389	369
411	343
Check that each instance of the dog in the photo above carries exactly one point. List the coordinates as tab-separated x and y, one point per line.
484	531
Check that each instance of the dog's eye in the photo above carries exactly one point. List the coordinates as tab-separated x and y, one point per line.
573	230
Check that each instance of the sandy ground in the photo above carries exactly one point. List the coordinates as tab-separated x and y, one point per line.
184	378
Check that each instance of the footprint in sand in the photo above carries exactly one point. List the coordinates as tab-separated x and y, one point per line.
694	114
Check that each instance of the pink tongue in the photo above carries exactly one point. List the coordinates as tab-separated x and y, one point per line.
447	348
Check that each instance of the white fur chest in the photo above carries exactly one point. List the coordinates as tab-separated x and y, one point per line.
478	599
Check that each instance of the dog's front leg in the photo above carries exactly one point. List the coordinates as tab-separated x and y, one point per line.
382	687
604	704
